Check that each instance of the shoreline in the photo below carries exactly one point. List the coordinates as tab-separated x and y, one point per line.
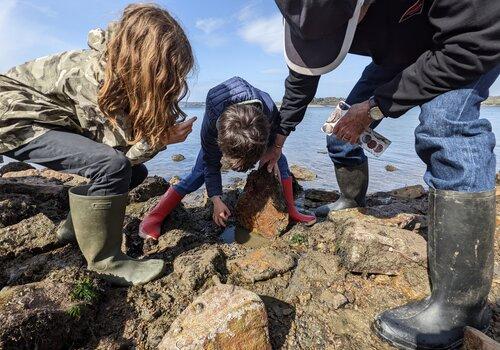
338	270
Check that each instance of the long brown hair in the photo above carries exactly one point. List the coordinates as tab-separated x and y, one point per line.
148	59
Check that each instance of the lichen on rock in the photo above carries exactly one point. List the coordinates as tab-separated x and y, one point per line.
261	207
224	317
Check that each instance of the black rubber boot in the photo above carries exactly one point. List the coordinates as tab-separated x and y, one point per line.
353	184
460	257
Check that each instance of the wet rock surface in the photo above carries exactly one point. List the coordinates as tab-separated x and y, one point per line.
24	197
14	166
390	168
409	192
19	238
302	173
314	198
195	268
378	249
261	207
178	157
476	340
43	314
320	286
151	187
51	175
261	264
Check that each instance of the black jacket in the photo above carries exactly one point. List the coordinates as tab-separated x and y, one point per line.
440	45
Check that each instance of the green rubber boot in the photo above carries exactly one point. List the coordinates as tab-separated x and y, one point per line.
66	232
353	184
98	222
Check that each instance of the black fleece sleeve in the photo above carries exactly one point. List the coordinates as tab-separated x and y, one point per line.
299	92
466	46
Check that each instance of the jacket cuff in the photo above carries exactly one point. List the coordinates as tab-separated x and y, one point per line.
389	108
213	193
283	131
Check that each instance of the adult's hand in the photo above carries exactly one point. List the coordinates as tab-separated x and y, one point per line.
221	212
273	154
179	132
356	120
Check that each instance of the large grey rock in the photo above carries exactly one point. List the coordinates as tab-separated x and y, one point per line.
38	316
302	173
178	157
365	247
408	192
477	340
56	177
195	268
314	273
21	198
261	264
14	166
151	187
35	234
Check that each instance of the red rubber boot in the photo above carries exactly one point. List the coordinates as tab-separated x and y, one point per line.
309	220
150	227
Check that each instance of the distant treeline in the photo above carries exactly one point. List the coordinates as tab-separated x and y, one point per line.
332	101
184	104
493	101
327	101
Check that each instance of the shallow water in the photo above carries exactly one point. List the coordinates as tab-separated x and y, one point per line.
307	147
237	234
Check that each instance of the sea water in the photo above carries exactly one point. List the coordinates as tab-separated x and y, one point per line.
307	147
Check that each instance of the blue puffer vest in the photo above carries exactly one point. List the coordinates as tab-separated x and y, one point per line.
233	91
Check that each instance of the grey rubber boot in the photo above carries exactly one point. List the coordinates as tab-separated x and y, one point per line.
353	184
98	222
460	257
66	232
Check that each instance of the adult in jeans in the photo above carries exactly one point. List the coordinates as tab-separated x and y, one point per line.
441	55
101	113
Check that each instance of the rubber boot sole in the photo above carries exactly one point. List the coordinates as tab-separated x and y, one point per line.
409	346
145	236
307	224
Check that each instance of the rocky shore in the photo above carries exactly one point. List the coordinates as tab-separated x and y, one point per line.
308	288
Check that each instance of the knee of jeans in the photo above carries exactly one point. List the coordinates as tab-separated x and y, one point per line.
118	167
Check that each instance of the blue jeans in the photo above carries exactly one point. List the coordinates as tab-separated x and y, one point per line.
196	178
451	139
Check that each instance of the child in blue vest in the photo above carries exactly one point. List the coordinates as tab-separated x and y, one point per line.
240	122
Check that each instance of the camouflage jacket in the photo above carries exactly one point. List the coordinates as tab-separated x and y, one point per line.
60	91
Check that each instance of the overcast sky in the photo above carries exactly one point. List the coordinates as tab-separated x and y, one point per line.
229	37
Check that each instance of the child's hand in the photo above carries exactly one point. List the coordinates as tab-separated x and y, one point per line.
221	211
179	132
270	158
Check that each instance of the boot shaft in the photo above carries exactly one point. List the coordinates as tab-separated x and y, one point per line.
353	182
98	222
460	245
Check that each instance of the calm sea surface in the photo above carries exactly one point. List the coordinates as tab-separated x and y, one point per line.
307	147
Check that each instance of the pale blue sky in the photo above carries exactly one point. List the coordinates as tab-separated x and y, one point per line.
229	37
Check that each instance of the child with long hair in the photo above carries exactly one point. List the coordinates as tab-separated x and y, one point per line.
101	113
